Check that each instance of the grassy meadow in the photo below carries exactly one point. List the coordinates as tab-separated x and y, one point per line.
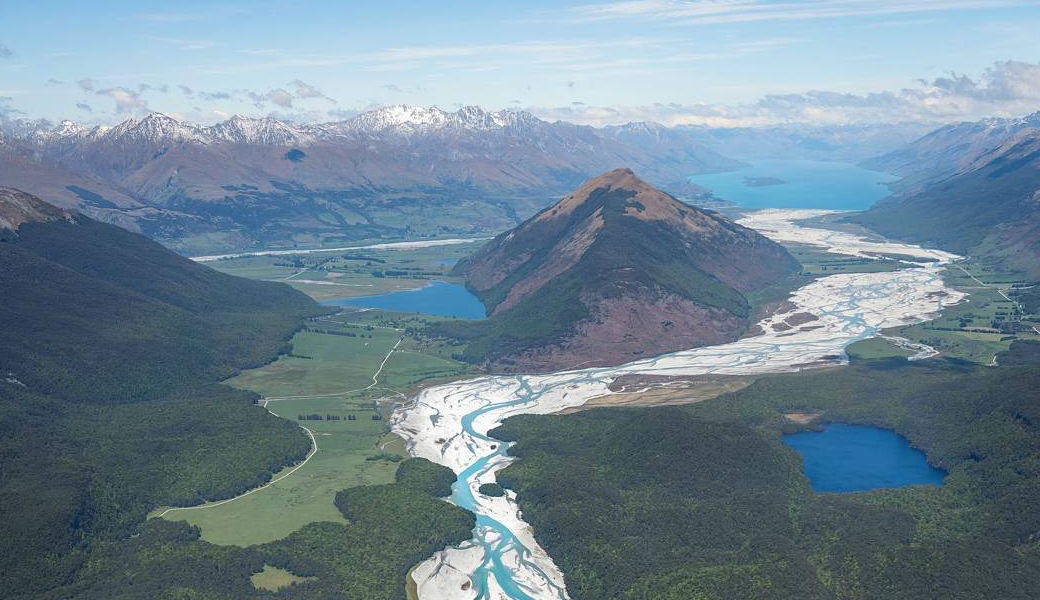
981	326
329	373
816	263
352	273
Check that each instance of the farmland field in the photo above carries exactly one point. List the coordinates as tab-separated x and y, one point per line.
321	385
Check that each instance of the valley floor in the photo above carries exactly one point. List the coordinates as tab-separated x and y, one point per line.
363	363
450	424
344	371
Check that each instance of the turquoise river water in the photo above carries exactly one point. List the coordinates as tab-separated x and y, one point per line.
449	424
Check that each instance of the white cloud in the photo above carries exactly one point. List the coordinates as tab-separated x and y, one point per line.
1010	88
1010	81
215	96
203	14
128	102
707	12
470	57
280	97
307	91
260	52
6	110
184	44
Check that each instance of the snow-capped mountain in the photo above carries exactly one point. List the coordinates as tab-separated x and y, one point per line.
410	166
155	128
413	167
389	121
266	131
470	134
67	128
409	120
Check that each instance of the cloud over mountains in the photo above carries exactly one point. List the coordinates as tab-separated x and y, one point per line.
1007	88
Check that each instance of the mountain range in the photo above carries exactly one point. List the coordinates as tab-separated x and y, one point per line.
973	188
802	141
615	271
393	172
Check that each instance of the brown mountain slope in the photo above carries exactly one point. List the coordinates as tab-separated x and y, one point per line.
615	271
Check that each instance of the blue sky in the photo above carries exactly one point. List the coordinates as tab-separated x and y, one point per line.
676	61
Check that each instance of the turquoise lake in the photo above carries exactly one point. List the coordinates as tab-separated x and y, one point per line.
439	298
807	184
855	458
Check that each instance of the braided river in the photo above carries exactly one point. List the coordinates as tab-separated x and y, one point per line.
449	424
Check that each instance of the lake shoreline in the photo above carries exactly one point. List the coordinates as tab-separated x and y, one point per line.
804	184
852	457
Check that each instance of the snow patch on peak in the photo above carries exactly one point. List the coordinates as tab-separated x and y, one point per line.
397	121
265	131
399	117
405	119
156	128
67	128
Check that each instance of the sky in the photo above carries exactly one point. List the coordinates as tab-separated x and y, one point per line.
714	62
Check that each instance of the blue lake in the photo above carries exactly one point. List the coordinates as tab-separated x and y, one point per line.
438	298
807	184
854	458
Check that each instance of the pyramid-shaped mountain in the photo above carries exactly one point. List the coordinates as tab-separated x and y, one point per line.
616	271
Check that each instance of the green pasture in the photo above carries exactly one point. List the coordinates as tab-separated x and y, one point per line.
329	374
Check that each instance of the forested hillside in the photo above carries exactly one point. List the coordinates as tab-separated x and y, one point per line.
970	188
109	406
708	503
392	527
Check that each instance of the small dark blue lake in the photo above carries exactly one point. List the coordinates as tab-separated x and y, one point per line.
798	184
439	298
856	458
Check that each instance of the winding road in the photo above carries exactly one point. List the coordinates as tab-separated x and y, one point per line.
314	441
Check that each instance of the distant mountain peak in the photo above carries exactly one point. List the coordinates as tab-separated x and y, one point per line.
68	127
394	120
264	130
402	118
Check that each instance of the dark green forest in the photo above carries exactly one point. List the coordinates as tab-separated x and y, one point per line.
1030	299
109	406
705	501
392	528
